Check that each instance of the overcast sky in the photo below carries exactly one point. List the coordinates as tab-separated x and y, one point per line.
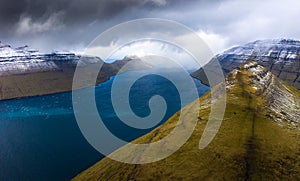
72	25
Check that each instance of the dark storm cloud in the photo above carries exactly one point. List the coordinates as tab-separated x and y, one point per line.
75	10
10	10
35	21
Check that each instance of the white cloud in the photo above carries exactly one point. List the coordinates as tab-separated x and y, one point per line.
235	22
216	42
158	2
244	21
27	25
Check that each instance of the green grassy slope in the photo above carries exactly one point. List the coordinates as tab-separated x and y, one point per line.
249	145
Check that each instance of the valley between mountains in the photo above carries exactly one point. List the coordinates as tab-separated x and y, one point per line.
259	137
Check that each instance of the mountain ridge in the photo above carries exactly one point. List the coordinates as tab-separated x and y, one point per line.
26	73
280	56
250	144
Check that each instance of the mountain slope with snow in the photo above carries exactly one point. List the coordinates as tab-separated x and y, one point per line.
25	72
23	60
280	56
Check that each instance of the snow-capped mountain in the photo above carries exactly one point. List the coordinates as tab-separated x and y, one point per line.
22	60
280	56
275	52
25	72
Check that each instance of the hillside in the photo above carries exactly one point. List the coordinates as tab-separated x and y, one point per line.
259	138
280	56
25	72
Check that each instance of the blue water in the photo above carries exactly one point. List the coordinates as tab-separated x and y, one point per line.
40	139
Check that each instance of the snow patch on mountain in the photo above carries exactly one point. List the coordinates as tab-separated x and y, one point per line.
276	48
22	60
282	105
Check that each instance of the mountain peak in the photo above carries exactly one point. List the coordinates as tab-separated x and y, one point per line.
251	75
279	100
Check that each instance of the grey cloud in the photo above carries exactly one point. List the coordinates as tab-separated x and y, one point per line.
36	22
28	26
76	10
67	22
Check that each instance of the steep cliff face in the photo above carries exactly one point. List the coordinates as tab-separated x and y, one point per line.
259	138
25	72
280	56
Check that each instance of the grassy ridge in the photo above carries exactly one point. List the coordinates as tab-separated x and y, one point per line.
248	146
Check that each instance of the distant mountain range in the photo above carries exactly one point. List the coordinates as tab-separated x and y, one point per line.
280	56
22	59
25	72
259	138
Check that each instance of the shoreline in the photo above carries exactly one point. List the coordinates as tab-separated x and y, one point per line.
39	83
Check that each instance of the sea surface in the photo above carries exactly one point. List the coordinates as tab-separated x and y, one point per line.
40	138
